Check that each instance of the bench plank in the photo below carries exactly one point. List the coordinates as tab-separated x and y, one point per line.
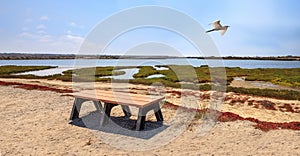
121	98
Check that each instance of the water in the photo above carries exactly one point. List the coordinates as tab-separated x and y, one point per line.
153	62
128	74
160	68
47	72
156	76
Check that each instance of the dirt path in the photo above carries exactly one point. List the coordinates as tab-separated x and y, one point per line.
240	82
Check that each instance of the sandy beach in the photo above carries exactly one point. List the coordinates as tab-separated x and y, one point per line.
36	122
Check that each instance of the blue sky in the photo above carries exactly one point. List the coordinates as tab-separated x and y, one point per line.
258	27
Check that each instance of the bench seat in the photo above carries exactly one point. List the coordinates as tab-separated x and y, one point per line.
109	99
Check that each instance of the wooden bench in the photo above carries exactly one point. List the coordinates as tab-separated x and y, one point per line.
144	103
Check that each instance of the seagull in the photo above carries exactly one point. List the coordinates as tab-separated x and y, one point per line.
218	27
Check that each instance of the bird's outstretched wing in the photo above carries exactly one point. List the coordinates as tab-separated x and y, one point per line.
217	24
223	31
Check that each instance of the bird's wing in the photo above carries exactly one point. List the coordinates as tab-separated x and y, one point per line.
223	31
217	24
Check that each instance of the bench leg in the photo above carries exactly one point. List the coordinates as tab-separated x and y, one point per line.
76	108
98	106
106	114
157	112
140	123
126	111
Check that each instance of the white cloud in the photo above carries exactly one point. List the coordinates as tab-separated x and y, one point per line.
28	20
41	32
25	29
42	42
73	38
73	24
46	38
69	32
40	36
44	18
26	35
67	43
41	26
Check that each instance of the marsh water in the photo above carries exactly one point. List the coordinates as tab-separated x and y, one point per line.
153	62
68	64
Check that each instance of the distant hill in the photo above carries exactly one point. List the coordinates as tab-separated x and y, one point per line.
279	58
23	56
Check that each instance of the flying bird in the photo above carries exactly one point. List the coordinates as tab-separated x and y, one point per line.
218	27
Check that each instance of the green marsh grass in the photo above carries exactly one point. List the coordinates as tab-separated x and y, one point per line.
175	75
9	69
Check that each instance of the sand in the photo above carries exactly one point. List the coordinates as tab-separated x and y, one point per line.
35	122
241	82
